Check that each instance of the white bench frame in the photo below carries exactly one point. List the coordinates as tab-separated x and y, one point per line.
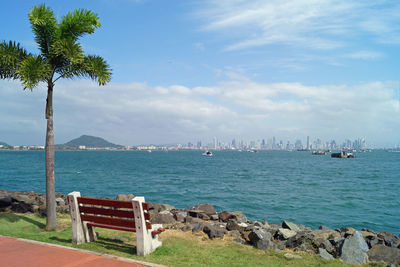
146	243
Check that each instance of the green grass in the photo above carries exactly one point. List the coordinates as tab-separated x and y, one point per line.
179	248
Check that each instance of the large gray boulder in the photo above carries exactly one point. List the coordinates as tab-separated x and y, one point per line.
354	249
234	225
383	253
284	234
291	226
197	227
162	218
198	214
180	216
206	208
324	254
214	231
161	207
261	239
299	239
238	216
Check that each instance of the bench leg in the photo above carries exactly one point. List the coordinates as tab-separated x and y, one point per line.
79	230
145	242
90	233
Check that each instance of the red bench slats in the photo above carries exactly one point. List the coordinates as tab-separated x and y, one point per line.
110	203
111	221
108	212
108	221
90	213
105	202
111	212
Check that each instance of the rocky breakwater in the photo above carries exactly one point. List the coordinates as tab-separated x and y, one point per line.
29	202
349	244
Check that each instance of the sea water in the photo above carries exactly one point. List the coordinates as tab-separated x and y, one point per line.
307	189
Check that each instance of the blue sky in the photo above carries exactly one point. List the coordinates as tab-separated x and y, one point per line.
191	70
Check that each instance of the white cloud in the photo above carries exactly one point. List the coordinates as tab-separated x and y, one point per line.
137	113
326	24
365	54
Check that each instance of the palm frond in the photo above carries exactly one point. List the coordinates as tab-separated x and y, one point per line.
78	23
11	55
96	68
67	49
32	70
44	25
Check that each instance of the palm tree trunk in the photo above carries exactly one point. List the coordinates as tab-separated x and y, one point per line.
51	218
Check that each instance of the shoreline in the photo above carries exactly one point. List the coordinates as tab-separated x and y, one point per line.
328	243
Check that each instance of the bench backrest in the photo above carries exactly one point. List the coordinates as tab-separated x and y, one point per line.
112	214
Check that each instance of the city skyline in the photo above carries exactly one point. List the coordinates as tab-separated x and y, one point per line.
184	71
271	143
274	143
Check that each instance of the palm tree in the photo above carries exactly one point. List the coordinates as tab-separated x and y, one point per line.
61	56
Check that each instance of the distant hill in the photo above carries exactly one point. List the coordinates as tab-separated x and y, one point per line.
4	144
89	141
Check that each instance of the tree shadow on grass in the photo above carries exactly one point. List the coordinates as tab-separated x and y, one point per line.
12	217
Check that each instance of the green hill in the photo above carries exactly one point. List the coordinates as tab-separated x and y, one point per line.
4	144
90	141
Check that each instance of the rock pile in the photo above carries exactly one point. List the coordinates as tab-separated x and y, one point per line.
29	202
346	243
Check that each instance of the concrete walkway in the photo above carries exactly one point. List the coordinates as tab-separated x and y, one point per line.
16	252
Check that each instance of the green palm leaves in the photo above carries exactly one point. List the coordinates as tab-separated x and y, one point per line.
32	70
44	26
78	23
11	56
60	51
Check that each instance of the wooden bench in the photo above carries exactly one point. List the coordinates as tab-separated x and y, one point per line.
132	216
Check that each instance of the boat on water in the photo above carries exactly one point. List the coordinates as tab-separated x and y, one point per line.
343	155
208	153
319	152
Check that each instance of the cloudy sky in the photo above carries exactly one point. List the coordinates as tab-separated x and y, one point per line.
191	70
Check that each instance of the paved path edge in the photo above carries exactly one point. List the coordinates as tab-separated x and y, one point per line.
89	251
